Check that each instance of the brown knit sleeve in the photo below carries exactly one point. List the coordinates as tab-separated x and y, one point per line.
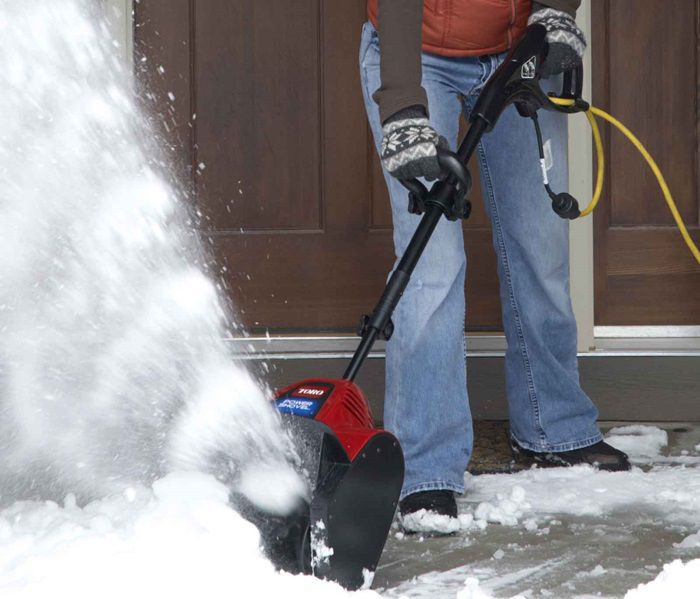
569	6
400	31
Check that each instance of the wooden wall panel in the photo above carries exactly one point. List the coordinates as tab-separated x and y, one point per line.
646	61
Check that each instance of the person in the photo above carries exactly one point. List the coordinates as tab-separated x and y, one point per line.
413	100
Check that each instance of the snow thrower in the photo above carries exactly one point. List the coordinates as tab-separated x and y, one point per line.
354	469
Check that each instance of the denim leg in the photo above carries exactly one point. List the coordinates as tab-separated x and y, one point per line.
548	409
426	403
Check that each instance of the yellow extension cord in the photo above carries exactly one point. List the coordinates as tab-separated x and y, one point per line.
591	113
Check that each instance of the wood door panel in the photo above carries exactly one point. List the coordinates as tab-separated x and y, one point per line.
261	107
637	252
645	72
323	289
630	296
258	119
655	97
162	50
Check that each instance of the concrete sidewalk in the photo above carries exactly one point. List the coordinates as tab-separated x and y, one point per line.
564	555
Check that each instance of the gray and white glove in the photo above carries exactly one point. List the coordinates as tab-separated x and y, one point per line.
567	43
410	145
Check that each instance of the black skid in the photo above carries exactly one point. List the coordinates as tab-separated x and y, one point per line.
357	511
341	532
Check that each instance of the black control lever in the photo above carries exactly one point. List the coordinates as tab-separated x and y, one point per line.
450	191
417	194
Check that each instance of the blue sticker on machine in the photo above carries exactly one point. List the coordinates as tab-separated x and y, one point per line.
298	406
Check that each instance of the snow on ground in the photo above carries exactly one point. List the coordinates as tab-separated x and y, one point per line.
690	542
565	532
638	440
536	495
677	581
180	540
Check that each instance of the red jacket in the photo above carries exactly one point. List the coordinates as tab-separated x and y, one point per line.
469	27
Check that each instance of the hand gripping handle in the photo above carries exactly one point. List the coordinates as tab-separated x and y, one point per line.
455	182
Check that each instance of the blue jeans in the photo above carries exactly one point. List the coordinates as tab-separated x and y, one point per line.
426	403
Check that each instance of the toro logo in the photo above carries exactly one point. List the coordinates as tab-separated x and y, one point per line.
310	391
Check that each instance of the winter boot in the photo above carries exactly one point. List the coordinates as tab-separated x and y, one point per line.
601	456
431	512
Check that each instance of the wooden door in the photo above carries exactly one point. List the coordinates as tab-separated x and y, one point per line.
645	72
261	104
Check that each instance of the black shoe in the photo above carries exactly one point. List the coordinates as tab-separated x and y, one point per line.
433	512
601	455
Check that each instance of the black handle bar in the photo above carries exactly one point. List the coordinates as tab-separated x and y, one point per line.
516	81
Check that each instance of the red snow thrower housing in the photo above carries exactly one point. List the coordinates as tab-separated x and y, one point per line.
355	470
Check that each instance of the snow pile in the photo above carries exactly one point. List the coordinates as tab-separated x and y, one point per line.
180	540
472	590
594	573
430	522
638	440
505	508
677	581
113	368
583	491
508	509
690	542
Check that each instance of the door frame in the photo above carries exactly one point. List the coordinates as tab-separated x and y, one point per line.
581	187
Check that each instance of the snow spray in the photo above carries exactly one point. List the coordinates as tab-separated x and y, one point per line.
113	368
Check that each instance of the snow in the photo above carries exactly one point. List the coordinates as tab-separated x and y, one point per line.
677	581
114	367
584	491
472	590
638	440
278	498
430	522
179	540
597	571
690	542
321	552
507	509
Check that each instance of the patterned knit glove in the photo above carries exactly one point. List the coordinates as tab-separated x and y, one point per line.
410	145
566	41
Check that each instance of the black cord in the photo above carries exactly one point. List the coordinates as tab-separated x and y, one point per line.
538	132
540	148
